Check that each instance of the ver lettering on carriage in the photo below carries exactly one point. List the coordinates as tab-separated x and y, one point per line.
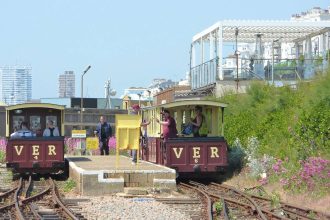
36	150
196	152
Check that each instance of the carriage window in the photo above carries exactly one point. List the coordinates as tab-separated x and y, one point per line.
35	123
17	120
184	117
53	118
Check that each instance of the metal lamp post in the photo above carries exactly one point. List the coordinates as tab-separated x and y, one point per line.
139	99
81	97
273	43
149	93
236	53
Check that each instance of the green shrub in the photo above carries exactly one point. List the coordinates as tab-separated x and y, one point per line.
288	123
2	156
236	156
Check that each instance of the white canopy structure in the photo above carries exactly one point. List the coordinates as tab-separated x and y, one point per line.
206	71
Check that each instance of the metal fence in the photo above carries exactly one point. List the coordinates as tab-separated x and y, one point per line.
207	73
204	74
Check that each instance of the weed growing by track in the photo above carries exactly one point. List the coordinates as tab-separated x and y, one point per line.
69	185
218	207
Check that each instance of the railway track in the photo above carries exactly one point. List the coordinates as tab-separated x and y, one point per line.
291	211
231	203
39	200
7	197
199	207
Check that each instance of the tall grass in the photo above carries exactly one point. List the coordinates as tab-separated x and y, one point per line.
288	122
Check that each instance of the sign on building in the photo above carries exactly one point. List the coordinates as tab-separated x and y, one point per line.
78	134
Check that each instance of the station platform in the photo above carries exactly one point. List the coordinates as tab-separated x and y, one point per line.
100	175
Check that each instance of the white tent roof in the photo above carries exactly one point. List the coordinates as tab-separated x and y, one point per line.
288	31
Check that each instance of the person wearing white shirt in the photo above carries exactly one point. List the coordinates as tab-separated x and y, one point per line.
23	132
51	130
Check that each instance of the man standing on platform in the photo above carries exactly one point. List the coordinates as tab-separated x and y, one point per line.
135	111
104	132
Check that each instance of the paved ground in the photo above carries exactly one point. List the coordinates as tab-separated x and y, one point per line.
109	163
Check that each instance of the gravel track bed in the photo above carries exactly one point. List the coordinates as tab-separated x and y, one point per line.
114	207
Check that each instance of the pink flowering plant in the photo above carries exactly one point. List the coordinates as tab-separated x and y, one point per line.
3	143
72	146
311	174
112	143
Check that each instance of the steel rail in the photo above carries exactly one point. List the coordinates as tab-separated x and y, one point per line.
28	188
269	213
59	202
18	212
32	206
260	213
209	202
34	211
225	209
7	207
7	193
25	201
251	206
36	197
289	209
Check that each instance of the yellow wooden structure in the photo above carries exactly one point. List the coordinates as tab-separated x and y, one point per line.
127	133
183	112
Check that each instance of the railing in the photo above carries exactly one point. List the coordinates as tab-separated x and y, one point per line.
263	69
204	74
207	73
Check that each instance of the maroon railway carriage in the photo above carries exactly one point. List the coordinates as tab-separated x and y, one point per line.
187	154
35	154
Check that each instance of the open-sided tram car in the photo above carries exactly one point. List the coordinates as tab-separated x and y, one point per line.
187	154
35	154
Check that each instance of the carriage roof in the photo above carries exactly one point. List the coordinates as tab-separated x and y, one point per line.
189	103
35	105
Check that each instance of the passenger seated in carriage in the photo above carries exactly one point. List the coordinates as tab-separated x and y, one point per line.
22	132
51	130
199	125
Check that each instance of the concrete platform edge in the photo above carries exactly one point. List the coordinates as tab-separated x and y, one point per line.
87	185
106	182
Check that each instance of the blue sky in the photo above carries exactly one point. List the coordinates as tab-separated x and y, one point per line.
130	41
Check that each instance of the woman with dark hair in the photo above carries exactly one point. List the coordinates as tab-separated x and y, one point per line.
169	126
199	123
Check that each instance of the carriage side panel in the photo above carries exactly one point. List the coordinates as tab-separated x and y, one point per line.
35	154
197	154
